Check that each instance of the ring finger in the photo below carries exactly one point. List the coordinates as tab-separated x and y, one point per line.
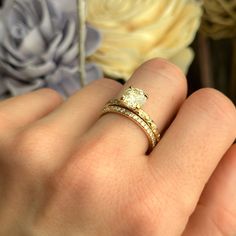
166	86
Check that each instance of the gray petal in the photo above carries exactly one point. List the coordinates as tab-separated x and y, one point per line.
53	59
30	72
70	55
2	31
12	50
25	11
17	88
57	16
49	54
93	72
70	86
69	36
3	88
93	40
16	23
33	44
66	80
65	5
10	59
69	81
46	24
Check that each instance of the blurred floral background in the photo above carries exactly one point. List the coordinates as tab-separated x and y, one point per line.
68	43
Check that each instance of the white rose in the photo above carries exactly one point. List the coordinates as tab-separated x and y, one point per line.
137	30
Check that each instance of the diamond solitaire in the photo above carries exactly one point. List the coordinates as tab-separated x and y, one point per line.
134	98
130	105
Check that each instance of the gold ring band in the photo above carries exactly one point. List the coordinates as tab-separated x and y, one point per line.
138	120
129	105
141	113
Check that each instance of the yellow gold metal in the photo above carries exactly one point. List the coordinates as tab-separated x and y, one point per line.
135	118
139	112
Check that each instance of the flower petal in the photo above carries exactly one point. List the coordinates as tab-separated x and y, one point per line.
17	87
3	88
49	54
183	59
69	36
42	49
9	48
33	71
46	26
66	6
70	55
93	40
93	72
132	34
33	44
64	80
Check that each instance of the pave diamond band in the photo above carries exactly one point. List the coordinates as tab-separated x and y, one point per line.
130	105
134	117
139	112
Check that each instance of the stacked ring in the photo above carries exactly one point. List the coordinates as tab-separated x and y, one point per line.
139	112
129	105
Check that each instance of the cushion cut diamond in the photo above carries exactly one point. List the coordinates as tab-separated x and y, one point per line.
134	98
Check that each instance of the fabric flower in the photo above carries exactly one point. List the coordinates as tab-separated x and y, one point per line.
219	19
39	48
137	30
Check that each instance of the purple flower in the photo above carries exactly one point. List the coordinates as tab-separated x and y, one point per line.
39	48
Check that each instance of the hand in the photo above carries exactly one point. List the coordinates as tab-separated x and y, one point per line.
64	171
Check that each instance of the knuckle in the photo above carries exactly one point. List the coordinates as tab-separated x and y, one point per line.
52	94
88	166
33	149
163	63
78	180
90	169
168	71
108	84
80	172
216	105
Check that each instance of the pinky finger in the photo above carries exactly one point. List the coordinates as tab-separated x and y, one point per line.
215	213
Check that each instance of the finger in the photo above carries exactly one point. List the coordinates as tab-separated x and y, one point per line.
51	140
166	87
203	130
82	109
24	109
215	213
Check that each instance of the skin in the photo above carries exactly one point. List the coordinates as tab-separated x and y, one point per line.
64	171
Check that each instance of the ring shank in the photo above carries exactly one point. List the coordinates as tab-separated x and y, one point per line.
135	118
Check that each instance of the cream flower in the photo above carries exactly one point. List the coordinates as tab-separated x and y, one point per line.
137	30
219	19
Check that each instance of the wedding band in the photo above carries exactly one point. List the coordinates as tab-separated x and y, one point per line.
130	105
141	113
141	123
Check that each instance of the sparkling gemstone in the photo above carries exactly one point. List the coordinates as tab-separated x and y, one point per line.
134	98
